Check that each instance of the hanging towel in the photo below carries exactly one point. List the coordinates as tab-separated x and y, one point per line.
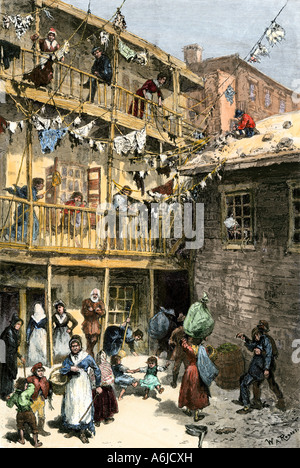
49	139
166	189
125	51
8	52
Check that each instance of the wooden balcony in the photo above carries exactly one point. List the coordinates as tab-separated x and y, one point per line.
70	89
73	230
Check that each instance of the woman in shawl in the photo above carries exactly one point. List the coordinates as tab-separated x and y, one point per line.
77	406
64	324
36	336
11	337
105	404
149	88
194	393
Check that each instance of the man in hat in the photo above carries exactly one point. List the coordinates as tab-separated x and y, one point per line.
263	327
42	391
257	371
246	123
102	70
179	356
92	309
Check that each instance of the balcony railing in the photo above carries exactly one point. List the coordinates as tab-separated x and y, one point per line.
73	83
62	228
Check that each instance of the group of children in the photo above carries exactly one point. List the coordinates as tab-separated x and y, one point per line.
31	393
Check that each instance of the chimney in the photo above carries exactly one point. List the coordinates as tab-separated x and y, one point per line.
192	54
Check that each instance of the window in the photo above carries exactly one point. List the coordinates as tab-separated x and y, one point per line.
268	100
120	301
252	94
238	217
294	231
282	106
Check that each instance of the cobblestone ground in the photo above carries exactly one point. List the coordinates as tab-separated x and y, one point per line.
159	423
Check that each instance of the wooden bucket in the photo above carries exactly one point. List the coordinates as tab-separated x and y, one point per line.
231	366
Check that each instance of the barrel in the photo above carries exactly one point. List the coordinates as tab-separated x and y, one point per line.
231	365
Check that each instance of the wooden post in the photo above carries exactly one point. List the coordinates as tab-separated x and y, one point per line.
104	321
22	315
113	119
49	311
29	177
151	293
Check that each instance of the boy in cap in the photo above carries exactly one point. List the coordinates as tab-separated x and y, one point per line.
246	123
22	399
42	391
263	327
258	369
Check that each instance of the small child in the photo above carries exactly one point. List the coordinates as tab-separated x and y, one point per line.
105	405
42	391
22	399
150	381
121	375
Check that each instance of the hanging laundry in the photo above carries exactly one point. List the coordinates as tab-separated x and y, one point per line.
141	58
50	138
164	170
229	94
275	34
77	122
12	126
141	140
40	123
104	39
126	51
139	178
83	132
21	24
119	22
8	52
135	140
3	125
166	189
260	51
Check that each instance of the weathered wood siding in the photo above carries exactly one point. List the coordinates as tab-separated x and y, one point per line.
245	286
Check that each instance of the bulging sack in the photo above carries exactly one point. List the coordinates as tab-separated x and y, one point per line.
199	323
159	324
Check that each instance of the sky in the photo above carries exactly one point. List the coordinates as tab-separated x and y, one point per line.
220	27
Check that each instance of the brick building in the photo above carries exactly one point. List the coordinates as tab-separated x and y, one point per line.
248	89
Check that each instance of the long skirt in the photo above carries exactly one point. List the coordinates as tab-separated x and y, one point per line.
76	403
105	404
150	381
61	340
193	394
37	351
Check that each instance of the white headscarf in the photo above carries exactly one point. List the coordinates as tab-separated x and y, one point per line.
38	313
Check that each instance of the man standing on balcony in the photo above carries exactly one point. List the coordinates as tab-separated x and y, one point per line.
23	211
102	69
92	309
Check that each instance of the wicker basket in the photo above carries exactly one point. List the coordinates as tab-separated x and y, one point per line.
58	381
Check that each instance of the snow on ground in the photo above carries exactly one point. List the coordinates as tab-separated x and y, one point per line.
159	423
